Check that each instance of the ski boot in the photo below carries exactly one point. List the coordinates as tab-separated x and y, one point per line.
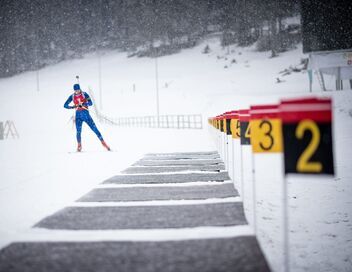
105	145
79	147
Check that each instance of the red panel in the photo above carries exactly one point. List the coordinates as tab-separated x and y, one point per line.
244	115
231	114
300	100
264	111
305	100
316	109
220	117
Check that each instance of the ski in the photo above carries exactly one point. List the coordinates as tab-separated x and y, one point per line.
92	151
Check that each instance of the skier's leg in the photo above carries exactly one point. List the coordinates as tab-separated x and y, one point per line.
90	122
79	131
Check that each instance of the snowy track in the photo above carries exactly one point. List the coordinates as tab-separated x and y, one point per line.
175	226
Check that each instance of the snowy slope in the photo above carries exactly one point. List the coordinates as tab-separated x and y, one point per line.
40	176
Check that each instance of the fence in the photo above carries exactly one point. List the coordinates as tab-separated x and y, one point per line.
164	121
180	121
8	129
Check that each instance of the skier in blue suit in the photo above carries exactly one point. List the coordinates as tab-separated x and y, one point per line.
81	102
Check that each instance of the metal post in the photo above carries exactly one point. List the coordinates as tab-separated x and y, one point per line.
1	131
99	54
226	150
37	76
310	76
100	83
242	181
157	88
233	160
322	80
286	227
338	79
37	64
228	155
221	150
254	189
220	144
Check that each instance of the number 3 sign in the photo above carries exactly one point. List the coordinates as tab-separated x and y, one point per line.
307	135
266	129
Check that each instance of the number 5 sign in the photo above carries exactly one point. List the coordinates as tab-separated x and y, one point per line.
307	135
266	129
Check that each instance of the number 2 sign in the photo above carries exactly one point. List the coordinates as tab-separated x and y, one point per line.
307	135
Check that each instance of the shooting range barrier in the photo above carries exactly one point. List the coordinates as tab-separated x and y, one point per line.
274	142
179	121
193	121
7	129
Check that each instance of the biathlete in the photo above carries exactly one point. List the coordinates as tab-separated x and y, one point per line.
82	101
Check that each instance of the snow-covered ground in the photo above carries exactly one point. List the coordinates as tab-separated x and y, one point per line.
38	175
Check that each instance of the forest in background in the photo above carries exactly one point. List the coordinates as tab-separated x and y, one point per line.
36	33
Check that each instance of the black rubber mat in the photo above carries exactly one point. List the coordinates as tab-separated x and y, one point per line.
146	217
182	157
160	193
211	255
168	178
156	169
177	162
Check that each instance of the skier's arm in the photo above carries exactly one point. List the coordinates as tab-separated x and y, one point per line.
68	101
88	101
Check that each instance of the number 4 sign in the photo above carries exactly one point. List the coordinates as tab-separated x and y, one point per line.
307	135
245	129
